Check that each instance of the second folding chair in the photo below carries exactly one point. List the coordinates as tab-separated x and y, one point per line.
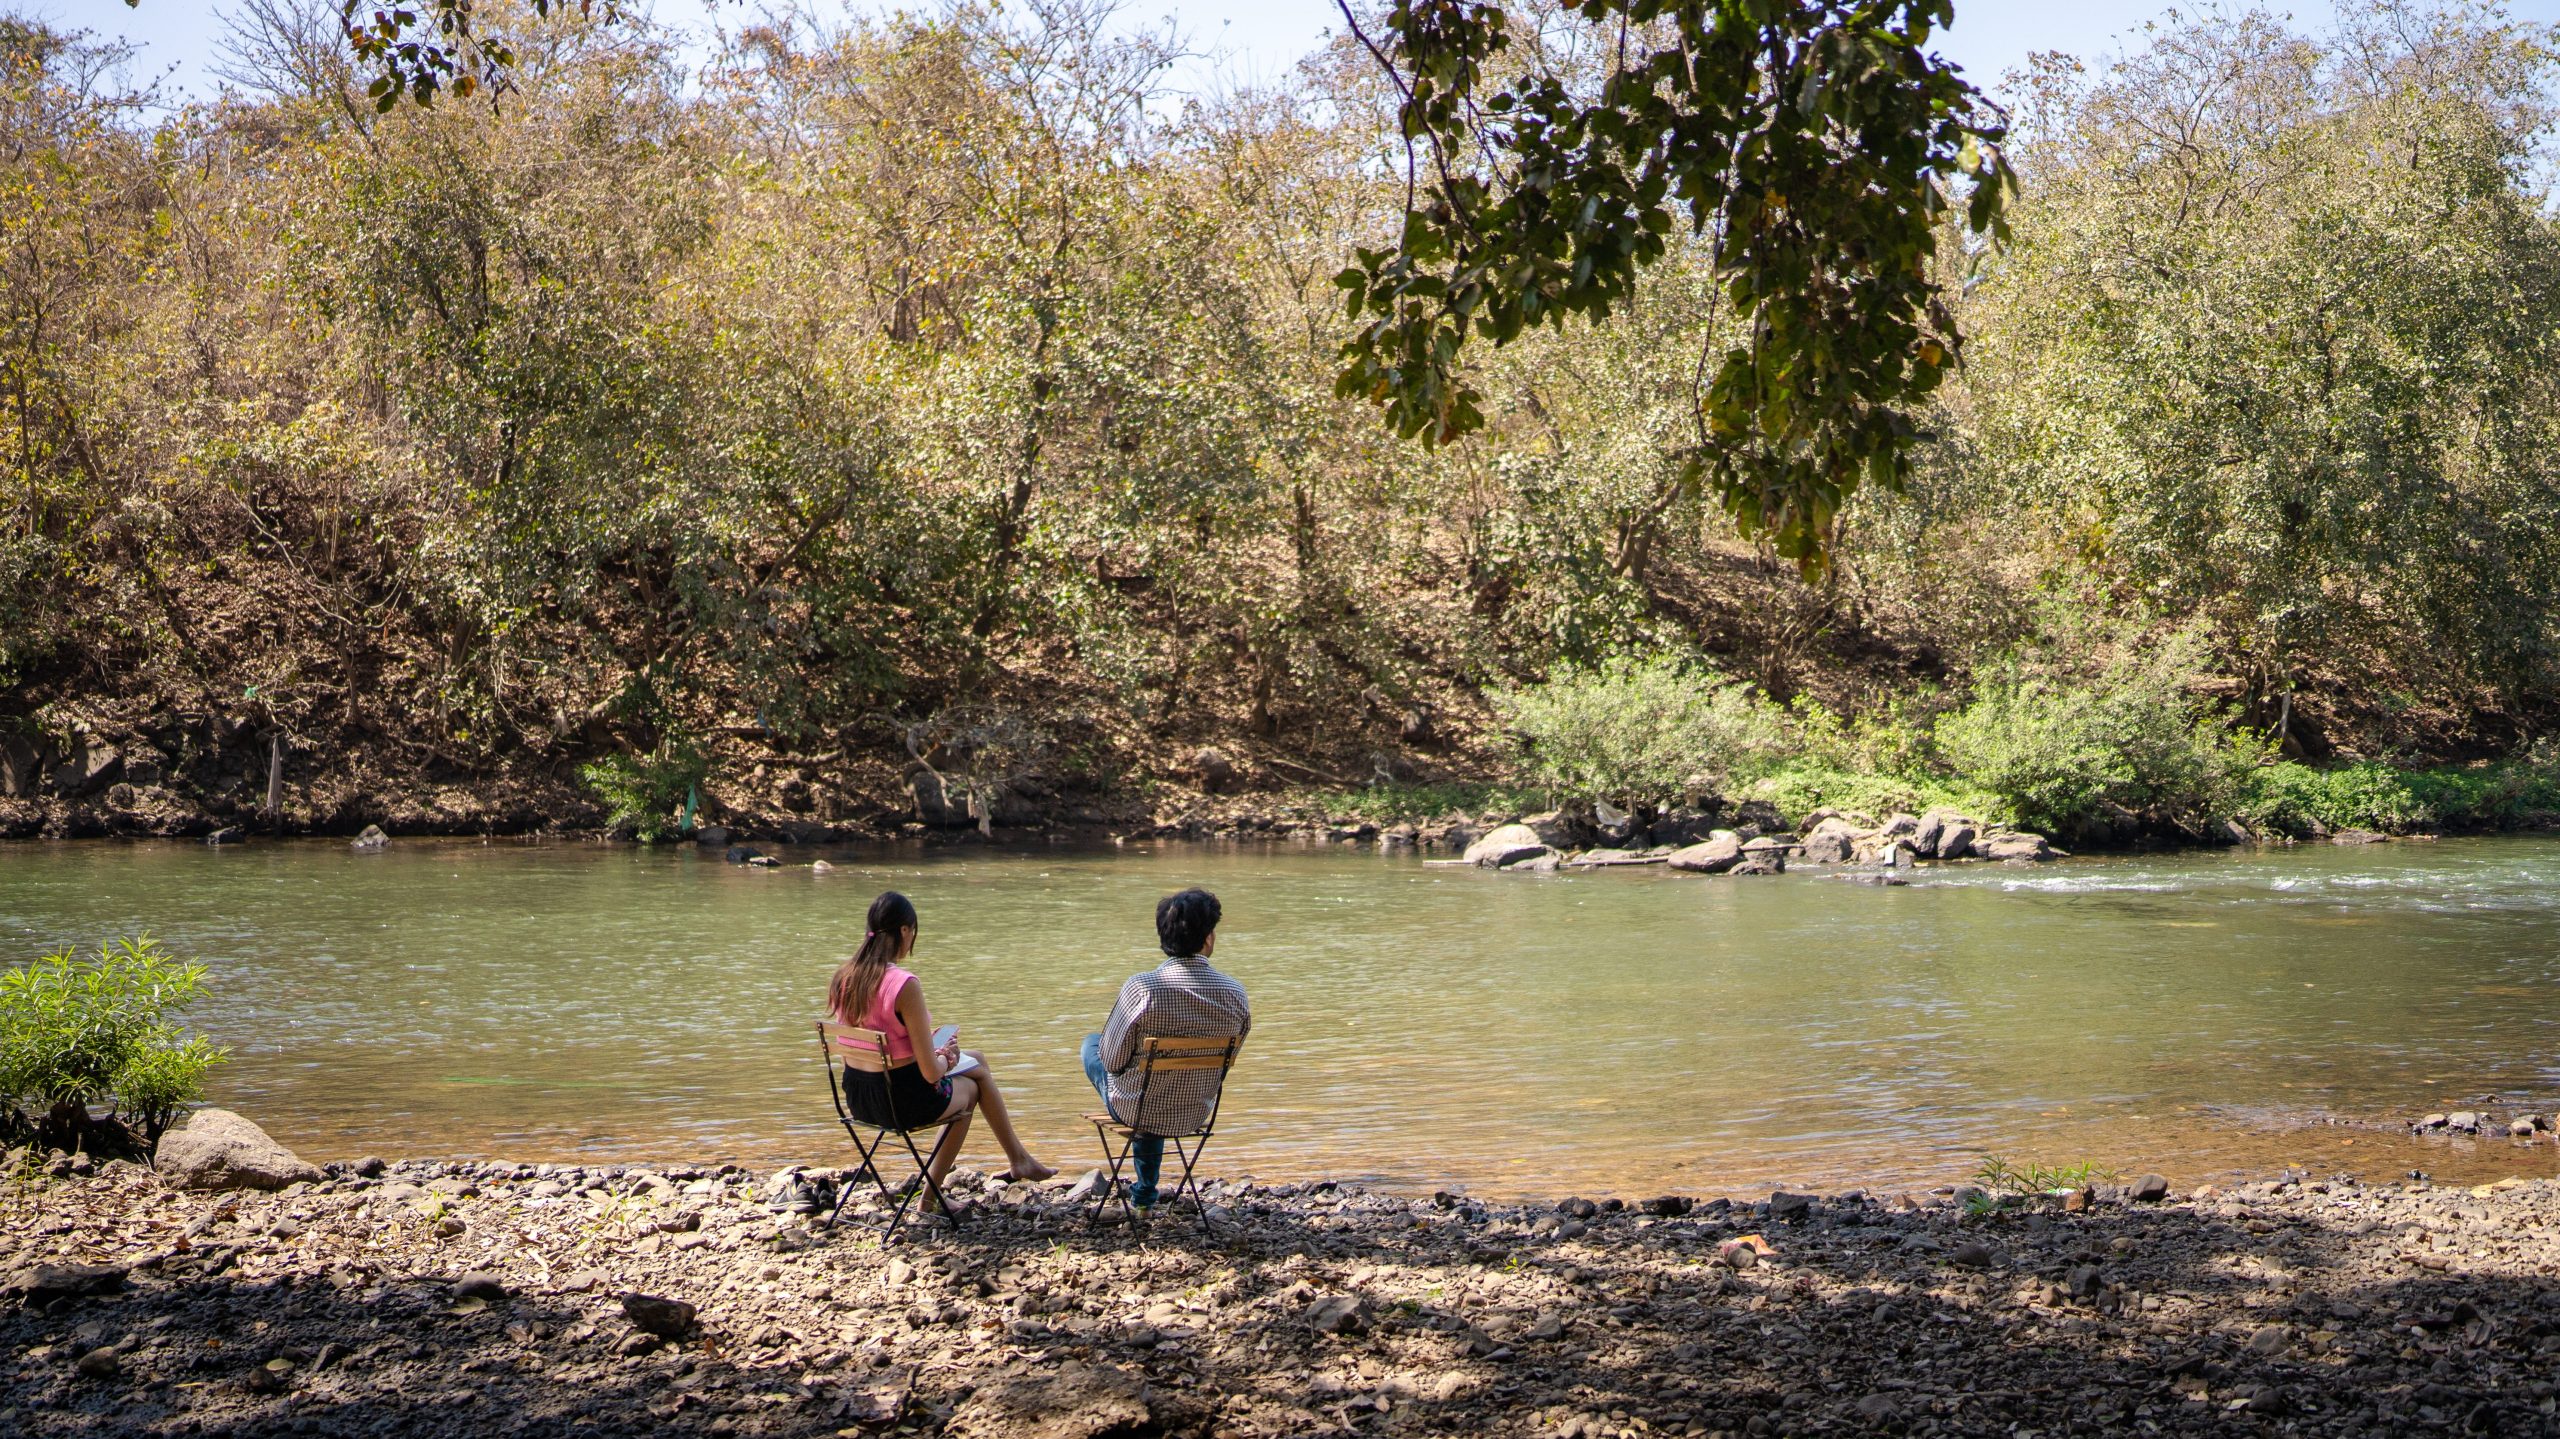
1161	1058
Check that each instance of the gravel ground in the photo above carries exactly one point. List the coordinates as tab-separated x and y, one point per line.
492	1299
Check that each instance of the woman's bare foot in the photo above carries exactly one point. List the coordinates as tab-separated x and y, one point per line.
1031	1173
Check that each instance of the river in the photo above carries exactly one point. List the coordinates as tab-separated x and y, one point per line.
1627	1031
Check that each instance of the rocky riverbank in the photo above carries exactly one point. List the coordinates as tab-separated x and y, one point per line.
497	1298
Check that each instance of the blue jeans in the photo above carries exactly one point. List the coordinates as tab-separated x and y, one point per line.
1147	1154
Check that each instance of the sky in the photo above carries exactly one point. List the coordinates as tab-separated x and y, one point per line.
1239	39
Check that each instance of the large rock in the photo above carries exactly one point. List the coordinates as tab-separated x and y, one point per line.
373	839
1955	841
1764	855
936	803
218	1149
2016	846
1507	845
1557	830
1719	852
22	765
652	1314
42	1284
1833	841
1217	772
91	763
1682	827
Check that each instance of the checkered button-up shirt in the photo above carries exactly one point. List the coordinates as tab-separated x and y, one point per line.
1179	999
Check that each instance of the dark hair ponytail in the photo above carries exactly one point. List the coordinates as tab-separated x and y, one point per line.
857	979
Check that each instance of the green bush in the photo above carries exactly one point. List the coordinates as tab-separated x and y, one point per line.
646	793
76	1032
2299	799
2296	798
1800	787
1641	732
2056	752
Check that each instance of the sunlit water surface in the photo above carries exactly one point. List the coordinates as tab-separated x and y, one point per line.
1628	1030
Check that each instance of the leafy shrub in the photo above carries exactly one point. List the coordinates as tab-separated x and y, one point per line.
1641	731
1416	803
646	793
2298	798
1800	787
2056	752
75	1032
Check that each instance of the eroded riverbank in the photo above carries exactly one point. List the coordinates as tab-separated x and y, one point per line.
447	1299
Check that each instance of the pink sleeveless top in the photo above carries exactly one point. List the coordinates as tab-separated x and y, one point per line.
883	1016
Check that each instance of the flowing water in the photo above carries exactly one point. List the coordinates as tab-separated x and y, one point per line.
1626	1030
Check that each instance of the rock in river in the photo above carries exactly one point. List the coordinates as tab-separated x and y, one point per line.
1508	845
220	1150
1831	842
371	840
1719	852
2015	846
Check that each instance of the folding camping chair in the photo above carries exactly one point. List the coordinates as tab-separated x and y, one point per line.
1159	1055
867	1050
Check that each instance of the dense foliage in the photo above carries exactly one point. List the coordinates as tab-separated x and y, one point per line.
1641	733
1806	149
935	393
74	1033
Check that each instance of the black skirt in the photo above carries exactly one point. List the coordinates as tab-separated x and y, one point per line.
899	1099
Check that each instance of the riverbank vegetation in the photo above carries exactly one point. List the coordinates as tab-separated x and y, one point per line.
78	1034
932	417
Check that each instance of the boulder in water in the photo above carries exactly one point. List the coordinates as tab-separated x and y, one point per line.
1833	841
2015	847
372	840
1509	844
1719	852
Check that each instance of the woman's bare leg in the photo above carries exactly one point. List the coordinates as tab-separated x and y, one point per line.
1020	1161
964	1098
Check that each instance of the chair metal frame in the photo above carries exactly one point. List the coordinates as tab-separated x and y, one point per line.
1161	1054
868	1051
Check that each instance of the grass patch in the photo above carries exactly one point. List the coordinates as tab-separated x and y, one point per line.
1415	803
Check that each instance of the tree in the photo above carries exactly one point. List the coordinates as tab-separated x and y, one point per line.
444	45
1813	149
2276	342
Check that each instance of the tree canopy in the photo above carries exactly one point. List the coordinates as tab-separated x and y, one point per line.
1812	149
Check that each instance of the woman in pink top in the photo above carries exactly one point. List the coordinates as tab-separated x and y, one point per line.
871	991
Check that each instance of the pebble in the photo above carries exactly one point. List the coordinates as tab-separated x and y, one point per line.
100	1364
666	1318
480	1284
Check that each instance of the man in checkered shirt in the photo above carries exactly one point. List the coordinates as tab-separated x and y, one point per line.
1182	998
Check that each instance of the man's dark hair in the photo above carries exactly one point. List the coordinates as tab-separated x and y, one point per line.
1185	921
